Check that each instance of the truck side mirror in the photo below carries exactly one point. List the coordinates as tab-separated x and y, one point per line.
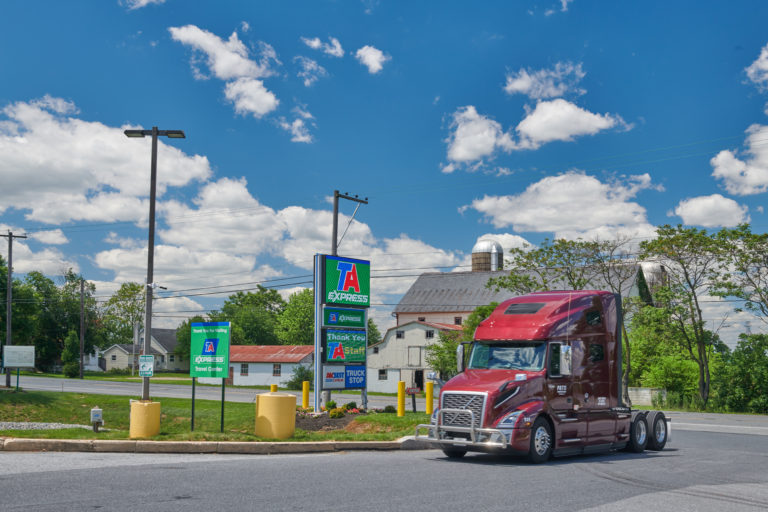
460	358
559	360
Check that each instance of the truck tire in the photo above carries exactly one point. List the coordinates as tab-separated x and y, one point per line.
638	434
657	430
454	453
541	442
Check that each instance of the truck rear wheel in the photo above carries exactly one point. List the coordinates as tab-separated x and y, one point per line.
638	434
657	435
541	442
454	453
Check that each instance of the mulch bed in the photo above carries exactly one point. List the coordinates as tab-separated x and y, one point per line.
323	422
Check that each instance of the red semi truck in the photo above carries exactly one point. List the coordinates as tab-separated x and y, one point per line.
542	379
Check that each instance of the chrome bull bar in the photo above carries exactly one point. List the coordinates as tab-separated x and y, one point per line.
437	433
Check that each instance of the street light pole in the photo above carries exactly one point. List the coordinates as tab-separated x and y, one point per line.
154	132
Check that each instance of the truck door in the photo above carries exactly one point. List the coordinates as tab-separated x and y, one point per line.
571	428
601	419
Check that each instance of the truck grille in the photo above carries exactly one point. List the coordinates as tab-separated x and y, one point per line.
469	401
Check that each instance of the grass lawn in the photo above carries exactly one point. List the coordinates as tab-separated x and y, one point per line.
239	419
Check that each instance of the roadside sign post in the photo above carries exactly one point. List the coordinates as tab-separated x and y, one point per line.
146	366
209	357
342	297
18	356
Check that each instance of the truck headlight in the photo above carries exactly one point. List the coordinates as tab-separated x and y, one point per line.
510	419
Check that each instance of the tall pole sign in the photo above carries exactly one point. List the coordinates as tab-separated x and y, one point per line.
342	298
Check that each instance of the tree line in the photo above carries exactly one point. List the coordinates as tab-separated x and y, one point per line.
667	341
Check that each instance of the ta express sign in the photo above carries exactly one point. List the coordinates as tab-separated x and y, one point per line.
347	282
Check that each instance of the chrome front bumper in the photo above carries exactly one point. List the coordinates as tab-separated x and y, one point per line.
478	437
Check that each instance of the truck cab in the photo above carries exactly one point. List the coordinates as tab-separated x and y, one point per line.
543	377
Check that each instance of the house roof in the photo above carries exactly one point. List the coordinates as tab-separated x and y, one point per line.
127	348
269	353
166	338
465	291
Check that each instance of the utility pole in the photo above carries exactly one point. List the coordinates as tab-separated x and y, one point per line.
9	297
82	323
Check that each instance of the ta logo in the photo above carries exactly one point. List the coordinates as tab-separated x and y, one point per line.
335	350
347	277
333	318
210	346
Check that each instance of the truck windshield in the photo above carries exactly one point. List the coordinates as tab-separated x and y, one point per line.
513	355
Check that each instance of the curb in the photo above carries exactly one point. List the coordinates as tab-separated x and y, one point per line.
16	444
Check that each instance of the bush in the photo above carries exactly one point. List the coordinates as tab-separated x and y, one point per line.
390	409
72	369
300	374
331	404
349	405
338	412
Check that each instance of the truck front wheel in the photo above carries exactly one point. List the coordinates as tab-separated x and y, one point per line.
541	442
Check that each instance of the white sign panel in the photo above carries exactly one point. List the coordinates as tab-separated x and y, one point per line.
146	366
18	356
333	377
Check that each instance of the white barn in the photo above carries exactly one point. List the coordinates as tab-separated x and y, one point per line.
263	365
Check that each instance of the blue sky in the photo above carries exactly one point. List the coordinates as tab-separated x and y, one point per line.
521	120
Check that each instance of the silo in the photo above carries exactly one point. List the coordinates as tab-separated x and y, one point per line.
487	255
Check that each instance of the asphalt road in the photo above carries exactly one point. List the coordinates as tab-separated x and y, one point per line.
698	471
231	394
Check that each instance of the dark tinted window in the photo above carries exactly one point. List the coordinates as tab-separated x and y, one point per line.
596	352
527	308
593	318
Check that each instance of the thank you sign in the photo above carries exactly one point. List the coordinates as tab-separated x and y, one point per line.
209	349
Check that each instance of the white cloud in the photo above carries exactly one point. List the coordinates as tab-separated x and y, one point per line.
298	129
81	170
544	206
757	72
48	261
52	237
711	211
747	176
332	48
546	83
474	138
310	71
138	4
561	120
245	26
250	96
230	61
372	58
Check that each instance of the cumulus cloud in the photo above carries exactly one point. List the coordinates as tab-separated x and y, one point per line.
309	70
541	207
332	48
711	211
52	237
474	138
81	170
372	58
48	261
546	83
231	62
747	175
562	120
757	72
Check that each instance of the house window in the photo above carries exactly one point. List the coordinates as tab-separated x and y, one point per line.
170	358
114	357
179	358
276	369
375	350
382	374
244	369
430	334
422	318
457	320
399	334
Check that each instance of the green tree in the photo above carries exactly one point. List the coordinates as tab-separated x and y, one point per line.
70	356
296	322
124	309
441	355
253	316
693	260
374	335
742	382
744	254
473	320
184	335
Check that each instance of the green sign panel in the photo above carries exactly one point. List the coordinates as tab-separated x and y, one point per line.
345	346
209	350
347	282
343	317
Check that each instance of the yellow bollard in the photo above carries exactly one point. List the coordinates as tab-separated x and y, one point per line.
273	388
305	394
145	419
401	398
430	390
275	415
